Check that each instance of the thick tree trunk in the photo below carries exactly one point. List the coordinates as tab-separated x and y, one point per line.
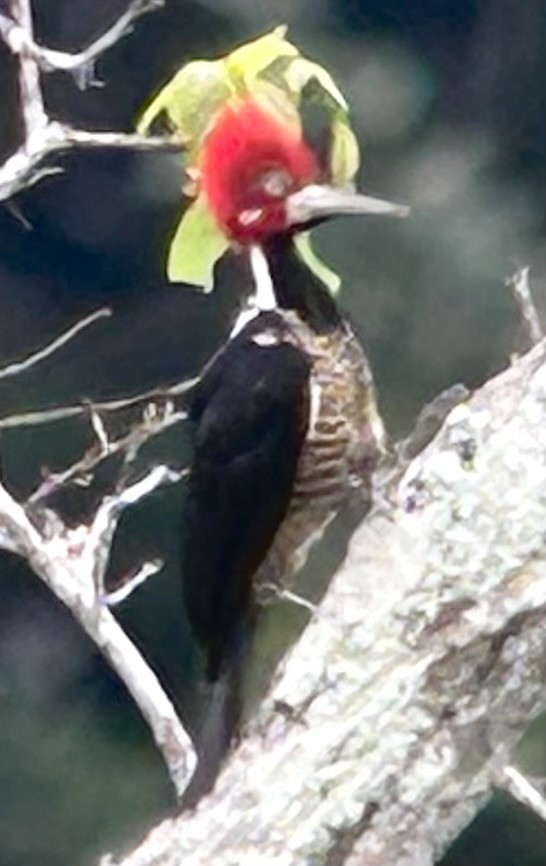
389	722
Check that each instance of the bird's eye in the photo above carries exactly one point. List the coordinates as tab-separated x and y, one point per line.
275	182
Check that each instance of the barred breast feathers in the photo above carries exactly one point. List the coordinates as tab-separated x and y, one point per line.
345	438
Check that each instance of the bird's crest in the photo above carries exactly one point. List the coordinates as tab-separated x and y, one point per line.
223	111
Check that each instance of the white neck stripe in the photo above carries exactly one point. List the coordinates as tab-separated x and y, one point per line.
264	296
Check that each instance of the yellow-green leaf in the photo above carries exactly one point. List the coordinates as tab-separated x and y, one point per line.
276	101
246	63
331	280
301	71
272	70
344	153
195	248
190	99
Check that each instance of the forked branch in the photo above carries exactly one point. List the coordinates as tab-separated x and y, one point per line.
73	562
42	136
17	34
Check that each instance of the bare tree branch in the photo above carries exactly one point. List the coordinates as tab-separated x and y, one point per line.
43	137
522	790
389	723
17	34
156	419
32	104
129	584
98	541
25	167
519	284
57	343
72	563
81	410
129	445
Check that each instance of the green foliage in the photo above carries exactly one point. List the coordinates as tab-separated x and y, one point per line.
189	100
329	277
275	73
196	246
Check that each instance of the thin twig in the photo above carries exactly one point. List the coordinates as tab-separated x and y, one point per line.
138	436
99	430
70	137
25	167
128	585
96	551
57	343
79	410
18	37
270	592
298	600
522	790
519	285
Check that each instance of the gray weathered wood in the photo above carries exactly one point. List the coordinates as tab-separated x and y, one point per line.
390	719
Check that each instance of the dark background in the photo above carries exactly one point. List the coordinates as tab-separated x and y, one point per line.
449	103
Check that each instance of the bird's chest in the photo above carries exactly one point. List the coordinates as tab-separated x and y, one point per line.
345	434
343	441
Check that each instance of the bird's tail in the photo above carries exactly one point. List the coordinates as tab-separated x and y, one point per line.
219	727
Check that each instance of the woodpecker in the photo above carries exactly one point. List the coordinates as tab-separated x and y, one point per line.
284	419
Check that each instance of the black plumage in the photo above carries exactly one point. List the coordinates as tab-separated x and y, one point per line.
285	430
250	414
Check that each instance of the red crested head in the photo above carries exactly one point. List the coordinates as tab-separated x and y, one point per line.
250	163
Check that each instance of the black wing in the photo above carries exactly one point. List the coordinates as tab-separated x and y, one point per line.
250	415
